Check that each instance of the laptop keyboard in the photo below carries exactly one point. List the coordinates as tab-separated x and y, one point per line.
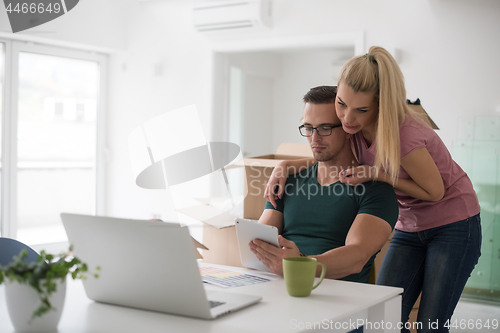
213	304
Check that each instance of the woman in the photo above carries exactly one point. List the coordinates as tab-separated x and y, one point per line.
438	234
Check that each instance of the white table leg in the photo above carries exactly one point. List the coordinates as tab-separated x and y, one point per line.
384	317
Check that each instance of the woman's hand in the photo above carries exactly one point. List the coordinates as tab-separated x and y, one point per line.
361	174
425	182
276	184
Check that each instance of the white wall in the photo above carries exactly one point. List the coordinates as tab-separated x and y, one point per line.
257	129
302	70
449	55
99	23
260	70
160	38
275	82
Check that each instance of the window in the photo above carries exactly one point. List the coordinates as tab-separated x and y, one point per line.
51	163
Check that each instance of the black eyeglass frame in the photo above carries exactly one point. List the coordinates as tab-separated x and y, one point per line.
317	129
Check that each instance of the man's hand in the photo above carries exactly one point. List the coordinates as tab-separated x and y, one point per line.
271	256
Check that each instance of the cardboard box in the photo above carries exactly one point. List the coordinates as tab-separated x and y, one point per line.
222	246
219	234
413	320
258	170
419	110
198	245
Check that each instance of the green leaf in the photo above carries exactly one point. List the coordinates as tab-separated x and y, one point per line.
43	274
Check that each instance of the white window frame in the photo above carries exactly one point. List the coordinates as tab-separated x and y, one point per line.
8	215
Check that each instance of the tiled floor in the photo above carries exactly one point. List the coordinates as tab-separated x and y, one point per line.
473	315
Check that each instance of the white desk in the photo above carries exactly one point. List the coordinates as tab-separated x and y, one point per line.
332	304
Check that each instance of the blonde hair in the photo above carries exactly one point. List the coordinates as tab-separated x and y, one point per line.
377	72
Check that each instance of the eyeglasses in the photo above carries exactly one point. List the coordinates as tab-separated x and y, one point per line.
324	130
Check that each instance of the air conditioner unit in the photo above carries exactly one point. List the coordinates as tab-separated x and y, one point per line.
232	14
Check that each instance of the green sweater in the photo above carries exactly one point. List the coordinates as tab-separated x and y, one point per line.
317	218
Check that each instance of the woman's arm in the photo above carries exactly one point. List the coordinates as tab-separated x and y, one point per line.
276	184
425	181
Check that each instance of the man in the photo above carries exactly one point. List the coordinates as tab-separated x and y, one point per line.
340	225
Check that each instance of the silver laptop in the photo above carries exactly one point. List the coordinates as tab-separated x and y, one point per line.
146	264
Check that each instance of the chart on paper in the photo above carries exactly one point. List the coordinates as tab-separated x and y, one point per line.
226	278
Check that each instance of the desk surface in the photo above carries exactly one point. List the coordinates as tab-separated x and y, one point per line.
333	301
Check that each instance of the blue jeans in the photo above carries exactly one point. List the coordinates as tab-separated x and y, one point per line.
436	262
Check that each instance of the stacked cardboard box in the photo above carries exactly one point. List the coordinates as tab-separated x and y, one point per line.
219	234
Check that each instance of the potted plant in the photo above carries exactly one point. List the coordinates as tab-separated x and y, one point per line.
35	291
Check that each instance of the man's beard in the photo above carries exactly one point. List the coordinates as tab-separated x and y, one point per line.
322	157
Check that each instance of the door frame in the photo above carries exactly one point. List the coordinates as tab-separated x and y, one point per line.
220	64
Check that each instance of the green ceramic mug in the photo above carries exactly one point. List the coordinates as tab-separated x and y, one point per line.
299	274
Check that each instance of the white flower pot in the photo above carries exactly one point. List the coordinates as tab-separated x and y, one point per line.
23	300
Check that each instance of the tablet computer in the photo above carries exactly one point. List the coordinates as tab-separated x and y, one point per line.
247	231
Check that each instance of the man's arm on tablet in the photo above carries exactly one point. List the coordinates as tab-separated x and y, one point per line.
272	217
366	236
268	254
